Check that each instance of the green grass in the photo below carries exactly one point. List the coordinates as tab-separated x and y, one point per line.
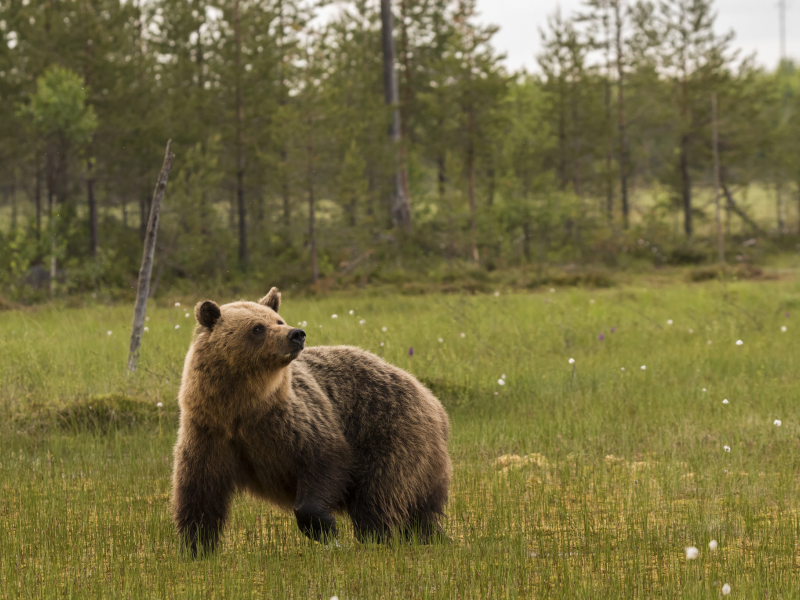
583	486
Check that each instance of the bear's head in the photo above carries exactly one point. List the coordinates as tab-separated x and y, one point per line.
245	337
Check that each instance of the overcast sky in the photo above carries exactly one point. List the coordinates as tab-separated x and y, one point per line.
754	21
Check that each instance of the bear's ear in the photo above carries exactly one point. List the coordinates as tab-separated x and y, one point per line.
207	313
272	299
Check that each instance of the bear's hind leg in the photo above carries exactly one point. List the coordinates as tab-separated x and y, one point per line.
424	523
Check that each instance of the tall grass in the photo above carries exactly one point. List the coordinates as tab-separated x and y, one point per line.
575	486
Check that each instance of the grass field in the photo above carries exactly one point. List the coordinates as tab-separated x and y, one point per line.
584	483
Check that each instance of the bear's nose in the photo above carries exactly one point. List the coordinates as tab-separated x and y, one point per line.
297	337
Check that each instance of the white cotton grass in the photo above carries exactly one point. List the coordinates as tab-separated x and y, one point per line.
725	401
739	342
691	330
146	328
384	329
362	322
643	367
692	553
777	422
352	312
159	405
334	316
496	294
712	545
669	321
501	382
177	326
622	369
441	340
591	301
704	389
186	315
463	335
552	290
109	332
726	448
783	328
726	589
572	361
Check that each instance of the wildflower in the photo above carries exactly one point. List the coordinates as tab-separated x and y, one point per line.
739	342
305	323
441	340
725	401
503	376
501	382
692	553
108	332
571	360
496	294
613	329
712	545
147	318
669	321
644	367
177	326
601	337
361	322
726	448
704	389
177	304
147	329
159	405
591	301
383	329
622	369
381	344
334	598
708	342
411	351
787	315
777	422
334	316
552	290
783	329
186	315
691	330
352	312
463	335
726	589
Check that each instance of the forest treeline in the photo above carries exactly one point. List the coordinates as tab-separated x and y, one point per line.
315	148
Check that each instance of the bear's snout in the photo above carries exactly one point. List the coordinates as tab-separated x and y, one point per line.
298	338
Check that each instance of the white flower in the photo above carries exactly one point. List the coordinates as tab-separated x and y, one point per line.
361	322
159	405
381	344
108	332
783	328
708	342
334	316
726	589
571	360
186	315
147	318
643	367
622	369
712	545
463	335
691	330
552	290
692	553
669	321
704	389
591	301
501	382
383	329
352	312
725	401
503	376
147	329
305	323
441	340
177	326
299	323
496	294
726	448
777	422
739	342
177	304
334	598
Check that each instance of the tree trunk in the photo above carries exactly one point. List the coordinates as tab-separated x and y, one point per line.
473	209
143	288
715	150
38	198
240	140
400	206
622	126
526	240
93	243
441	174
312	240
686	185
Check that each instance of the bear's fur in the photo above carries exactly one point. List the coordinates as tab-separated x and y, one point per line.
317	430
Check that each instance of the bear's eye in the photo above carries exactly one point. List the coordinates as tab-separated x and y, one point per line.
281	322
259	329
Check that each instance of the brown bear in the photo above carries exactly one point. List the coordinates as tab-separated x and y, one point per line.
316	430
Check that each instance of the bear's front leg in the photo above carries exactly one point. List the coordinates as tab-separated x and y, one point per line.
204	480
313	515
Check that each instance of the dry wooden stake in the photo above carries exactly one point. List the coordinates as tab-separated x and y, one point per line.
147	261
